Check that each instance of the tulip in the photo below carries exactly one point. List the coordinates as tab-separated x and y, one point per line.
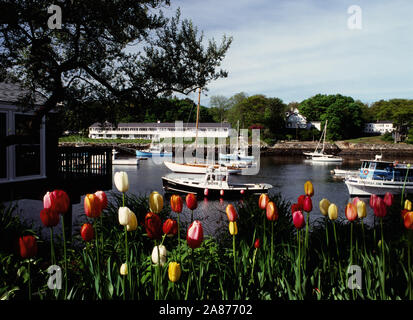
379	209
355	200
257	243
176	203
155	202
388	199
103	199
300	202
263	201
153	225
256	246
87	232
92	206
373	199
298	219
307	204
121	181
408	220
408	205
123	216
232	214
332	212
124	269
170	227
295	207
174	271
308	189
195	234
28	246
159	255
49	217
233	229
57	200
191	201
403	213
132	222
324	204
361	209
351	212
272	212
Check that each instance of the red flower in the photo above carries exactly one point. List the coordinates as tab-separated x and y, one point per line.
300	202
263	201
257	243
232	214
295	207
28	247
404	212
408	220
195	234
307	204
153	225
87	232
191	201
298	219
57	200
92	206
49	217
388	199
272	212
170	227
351	212
380	209
103	199
373	199
176	203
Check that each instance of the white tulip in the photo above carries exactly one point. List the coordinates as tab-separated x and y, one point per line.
162	254
124	214
124	269
121	181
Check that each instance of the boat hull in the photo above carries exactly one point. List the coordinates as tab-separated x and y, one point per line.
193	168
366	187
326	159
147	154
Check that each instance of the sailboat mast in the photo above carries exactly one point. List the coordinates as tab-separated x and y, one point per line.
324	133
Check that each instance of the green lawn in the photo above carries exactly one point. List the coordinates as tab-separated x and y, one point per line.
370	140
82	139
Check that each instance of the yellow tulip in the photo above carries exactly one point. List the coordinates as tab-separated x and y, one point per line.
174	271
233	229
333	212
121	181
408	205
155	202
324	204
361	209
308	188
124	269
132	223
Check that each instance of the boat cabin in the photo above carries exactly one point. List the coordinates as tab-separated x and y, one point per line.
217	176
384	170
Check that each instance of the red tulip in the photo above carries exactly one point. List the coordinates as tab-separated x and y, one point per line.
176	203
170	227
195	235
28	246
295	207
300	202
272	212
92	206
388	199
298	219
408	220
232	214
307	204
58	200
373	199
153	225
257	243
49	217
263	201
380	209
103	199
404	212
351	212
87	232
191	201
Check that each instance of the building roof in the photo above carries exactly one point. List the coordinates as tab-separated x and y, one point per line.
161	125
13	92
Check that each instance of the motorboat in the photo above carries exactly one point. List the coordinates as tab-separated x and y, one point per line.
196	168
214	184
153	151
125	161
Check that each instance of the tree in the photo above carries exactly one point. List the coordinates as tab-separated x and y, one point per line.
219	107
120	53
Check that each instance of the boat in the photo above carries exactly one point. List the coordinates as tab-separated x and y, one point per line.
153	151
196	168
378	177
239	154
214	184
126	161
321	155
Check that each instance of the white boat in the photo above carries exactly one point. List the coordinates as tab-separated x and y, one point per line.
320	155
378	177
343	173
153	151
240	154
127	161
196	168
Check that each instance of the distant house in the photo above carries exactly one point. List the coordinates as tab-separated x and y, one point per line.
157	130
379	127
294	120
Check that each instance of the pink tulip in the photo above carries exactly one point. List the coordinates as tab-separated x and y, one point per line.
373	198
195	235
380	209
388	199
351	212
298	219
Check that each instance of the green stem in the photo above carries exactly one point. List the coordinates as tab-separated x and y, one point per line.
233	251
364	238
272	242
64	254
299	262
97	257
30	281
52	255
264	235
338	252
127	257
253	265
383	259
404	186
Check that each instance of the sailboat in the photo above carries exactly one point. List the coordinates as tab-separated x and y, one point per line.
321	155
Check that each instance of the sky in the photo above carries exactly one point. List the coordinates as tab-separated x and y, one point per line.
294	49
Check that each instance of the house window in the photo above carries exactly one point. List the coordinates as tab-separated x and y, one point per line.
3	153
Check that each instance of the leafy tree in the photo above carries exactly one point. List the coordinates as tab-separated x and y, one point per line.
119	53
219	107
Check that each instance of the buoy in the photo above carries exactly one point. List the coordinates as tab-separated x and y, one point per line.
221	192
206	191
242	191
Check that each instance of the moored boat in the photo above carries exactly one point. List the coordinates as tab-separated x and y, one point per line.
196	168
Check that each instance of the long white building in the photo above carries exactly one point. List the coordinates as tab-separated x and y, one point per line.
158	130
379	127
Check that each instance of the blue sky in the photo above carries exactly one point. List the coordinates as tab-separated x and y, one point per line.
293	49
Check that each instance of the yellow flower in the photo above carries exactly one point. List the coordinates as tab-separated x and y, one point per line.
408	205
233	229
324	204
132	223
308	188
333	212
361	209
155	202
174	271
124	269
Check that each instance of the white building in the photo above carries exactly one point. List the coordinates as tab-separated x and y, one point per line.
380	127
158	130
295	120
